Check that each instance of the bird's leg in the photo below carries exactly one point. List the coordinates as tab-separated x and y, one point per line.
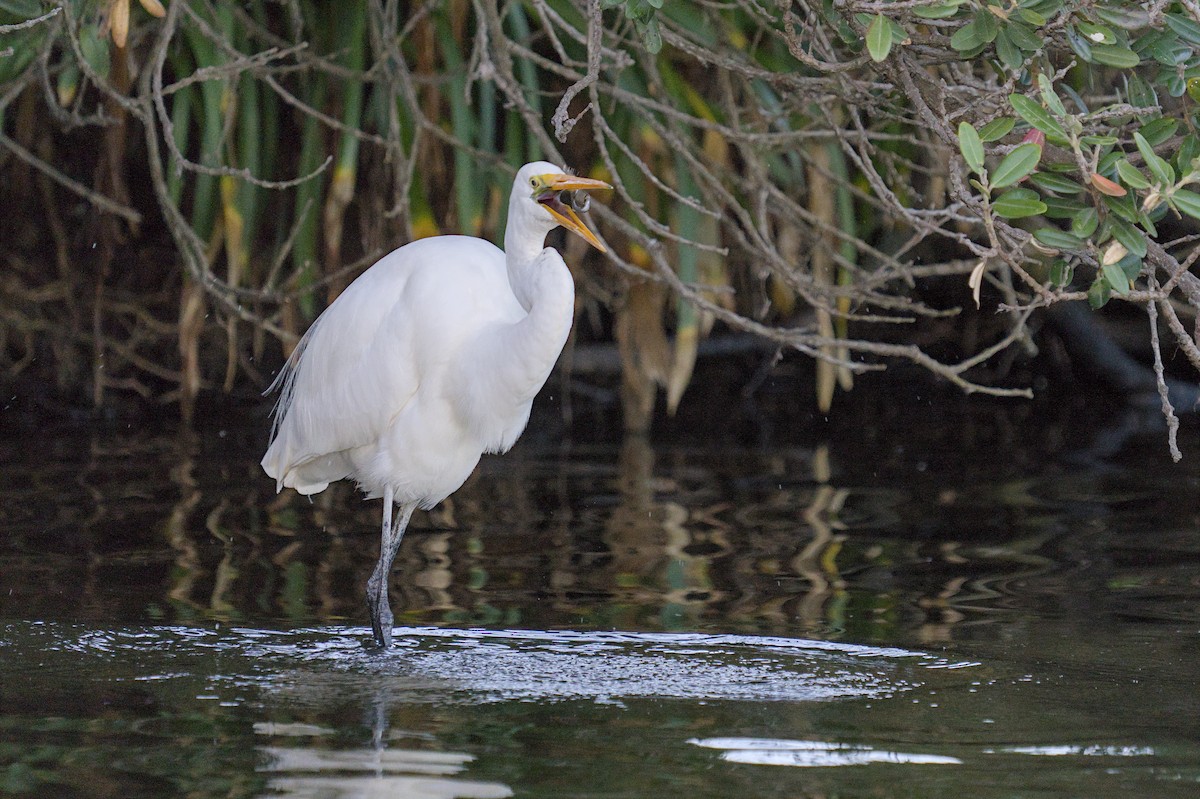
377	585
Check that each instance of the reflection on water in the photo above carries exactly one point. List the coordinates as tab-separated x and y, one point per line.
811	754
963	602
787	541
300	771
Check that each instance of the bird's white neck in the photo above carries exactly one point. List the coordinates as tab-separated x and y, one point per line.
524	240
511	363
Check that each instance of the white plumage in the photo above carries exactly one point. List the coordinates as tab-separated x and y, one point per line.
429	359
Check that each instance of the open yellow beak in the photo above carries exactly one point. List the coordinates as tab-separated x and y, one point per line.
565	214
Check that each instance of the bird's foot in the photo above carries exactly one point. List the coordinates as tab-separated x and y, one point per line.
381	613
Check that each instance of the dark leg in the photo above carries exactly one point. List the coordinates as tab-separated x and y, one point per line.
377	586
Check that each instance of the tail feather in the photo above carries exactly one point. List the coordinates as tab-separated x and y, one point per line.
311	476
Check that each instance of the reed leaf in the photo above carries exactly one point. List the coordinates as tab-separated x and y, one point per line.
351	43
688	223
468	197
205	194
527	75
847	219
308	199
182	105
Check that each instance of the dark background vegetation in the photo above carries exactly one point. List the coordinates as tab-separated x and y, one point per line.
855	185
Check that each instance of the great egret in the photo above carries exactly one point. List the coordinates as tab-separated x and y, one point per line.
429	359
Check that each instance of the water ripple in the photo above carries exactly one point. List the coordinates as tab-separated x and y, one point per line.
476	665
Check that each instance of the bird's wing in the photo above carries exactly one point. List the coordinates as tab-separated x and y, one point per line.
331	399
365	357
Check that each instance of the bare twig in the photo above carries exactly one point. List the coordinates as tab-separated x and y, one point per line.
94	197
29	23
1160	380
561	121
158	97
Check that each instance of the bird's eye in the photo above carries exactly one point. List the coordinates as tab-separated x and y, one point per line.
533	182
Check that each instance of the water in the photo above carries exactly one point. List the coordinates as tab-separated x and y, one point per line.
969	602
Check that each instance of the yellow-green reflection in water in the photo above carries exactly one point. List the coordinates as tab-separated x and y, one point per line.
856	618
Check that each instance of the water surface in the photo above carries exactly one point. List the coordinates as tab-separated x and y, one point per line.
963	604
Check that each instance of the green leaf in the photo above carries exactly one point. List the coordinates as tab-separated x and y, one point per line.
1061	273
1129	16
1188	29
1049	96
948	8
973	53
1186	202
987	25
1131	265
651	35
1132	238
1096	34
1108	161
1033	113
1055	183
1114	55
1059	167
1016	165
967	38
1079	43
1009	54
1018	203
1164	47
1062	207
1122	207
1157	131
1023	36
1099	293
879	38
1130	176
1115	278
1034	18
1058	239
68	84
971	147
1084	224
1139	93
1188	150
638	10
997	129
1161	170
1158	212
95	49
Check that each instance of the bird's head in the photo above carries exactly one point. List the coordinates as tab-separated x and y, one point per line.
552	196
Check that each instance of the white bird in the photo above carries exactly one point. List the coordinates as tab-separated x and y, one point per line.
429	359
